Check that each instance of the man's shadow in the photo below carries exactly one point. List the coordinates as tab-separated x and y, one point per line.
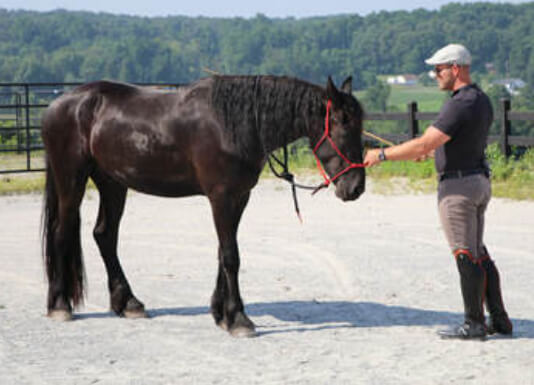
306	316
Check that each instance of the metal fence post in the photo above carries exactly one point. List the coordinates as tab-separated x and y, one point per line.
18	121
27	102
413	122
505	127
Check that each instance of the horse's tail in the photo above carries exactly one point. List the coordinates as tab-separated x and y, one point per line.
68	273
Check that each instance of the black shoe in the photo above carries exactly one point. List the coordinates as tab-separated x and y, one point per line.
500	324
467	331
472	283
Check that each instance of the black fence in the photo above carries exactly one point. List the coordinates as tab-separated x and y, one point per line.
22	104
21	108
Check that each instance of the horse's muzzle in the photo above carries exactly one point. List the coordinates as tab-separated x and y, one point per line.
350	196
350	191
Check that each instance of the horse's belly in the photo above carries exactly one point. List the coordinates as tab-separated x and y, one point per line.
145	159
156	184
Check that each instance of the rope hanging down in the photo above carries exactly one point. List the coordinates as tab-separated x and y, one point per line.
287	176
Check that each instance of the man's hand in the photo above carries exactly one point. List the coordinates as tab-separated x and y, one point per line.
371	157
430	155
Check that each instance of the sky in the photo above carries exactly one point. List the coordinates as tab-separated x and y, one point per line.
233	8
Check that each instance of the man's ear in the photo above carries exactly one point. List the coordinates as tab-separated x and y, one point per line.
347	86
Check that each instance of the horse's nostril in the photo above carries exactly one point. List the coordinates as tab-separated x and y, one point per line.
358	191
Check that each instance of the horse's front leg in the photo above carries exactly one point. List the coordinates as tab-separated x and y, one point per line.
219	296
106	232
227	306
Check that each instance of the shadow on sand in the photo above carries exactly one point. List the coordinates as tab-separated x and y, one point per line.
312	315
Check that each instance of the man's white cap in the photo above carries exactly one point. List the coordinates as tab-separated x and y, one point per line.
450	54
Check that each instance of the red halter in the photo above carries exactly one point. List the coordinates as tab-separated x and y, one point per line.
326	136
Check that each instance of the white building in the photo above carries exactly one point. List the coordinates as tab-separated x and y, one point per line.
512	85
405	80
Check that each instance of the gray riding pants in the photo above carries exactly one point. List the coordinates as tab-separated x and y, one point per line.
462	204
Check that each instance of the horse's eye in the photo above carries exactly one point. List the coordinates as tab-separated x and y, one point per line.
343	119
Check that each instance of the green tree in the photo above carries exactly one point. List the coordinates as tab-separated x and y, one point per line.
497	93
87	46
376	97
523	102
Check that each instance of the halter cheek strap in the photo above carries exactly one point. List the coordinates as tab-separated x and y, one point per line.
326	137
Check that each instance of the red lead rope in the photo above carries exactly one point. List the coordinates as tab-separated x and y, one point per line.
326	136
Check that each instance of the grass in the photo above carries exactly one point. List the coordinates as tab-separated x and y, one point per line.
512	178
26	183
22	183
428	98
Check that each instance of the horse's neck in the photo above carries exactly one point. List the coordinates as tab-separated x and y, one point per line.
282	121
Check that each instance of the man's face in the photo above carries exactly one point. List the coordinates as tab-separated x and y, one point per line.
446	75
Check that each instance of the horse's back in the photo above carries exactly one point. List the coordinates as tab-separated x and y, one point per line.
146	138
163	142
84	107
110	88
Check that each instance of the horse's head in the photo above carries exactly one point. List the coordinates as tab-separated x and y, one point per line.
340	146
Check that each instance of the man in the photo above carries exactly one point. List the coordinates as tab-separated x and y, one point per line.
459	137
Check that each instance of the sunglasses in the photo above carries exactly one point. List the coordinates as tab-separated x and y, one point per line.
438	70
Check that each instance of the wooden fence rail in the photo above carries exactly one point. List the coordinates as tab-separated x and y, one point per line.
505	139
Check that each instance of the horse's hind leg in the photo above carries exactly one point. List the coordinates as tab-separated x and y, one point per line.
227	306
63	255
106	232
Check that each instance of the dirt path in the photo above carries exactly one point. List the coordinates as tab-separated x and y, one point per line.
352	296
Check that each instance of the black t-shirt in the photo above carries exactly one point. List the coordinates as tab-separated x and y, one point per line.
466	117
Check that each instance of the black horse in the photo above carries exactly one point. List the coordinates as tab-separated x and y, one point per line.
211	137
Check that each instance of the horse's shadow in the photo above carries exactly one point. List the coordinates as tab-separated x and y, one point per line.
306	316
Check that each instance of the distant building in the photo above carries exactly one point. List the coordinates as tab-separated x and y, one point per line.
405	80
490	68
512	85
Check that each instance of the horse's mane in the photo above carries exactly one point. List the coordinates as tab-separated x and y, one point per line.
271	106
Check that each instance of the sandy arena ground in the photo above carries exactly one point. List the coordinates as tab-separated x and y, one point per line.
354	295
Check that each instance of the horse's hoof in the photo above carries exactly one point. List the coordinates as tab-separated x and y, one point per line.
223	324
243	332
133	309
60	315
133	314
242	327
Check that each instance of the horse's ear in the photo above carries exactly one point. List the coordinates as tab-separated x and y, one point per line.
331	91
347	86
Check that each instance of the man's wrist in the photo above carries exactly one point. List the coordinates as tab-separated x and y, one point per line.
382	155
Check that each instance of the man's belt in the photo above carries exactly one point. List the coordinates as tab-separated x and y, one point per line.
462	173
